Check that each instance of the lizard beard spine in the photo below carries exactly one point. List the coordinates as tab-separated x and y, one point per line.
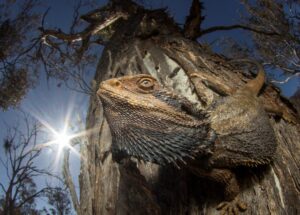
160	135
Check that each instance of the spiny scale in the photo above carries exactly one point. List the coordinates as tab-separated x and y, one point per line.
171	131
157	147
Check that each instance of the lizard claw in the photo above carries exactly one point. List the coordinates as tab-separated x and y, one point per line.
231	208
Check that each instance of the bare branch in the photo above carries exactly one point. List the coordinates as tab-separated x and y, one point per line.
194	20
91	30
44	16
32	197
287	79
21	167
76	15
238	26
64	36
2	187
69	182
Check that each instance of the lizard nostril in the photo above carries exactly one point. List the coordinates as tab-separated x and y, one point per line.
114	83
117	83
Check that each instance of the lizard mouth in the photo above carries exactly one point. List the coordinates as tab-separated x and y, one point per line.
106	94
102	92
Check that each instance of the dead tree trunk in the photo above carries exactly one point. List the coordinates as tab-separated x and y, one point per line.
149	42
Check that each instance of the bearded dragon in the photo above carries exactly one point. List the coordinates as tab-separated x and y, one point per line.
152	123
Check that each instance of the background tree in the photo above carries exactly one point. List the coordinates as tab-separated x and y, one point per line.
58	198
19	188
18	22
138	40
279	49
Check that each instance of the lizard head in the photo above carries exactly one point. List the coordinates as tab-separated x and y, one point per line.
152	123
133	91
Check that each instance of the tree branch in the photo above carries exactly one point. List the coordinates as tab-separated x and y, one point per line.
193	20
69	182
21	167
64	36
238	26
91	30
286	80
32	197
2	187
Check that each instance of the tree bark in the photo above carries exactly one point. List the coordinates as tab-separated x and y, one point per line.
149	42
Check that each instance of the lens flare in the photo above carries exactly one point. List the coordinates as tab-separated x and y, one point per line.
63	130
63	139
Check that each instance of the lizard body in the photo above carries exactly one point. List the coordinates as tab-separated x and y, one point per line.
246	137
152	123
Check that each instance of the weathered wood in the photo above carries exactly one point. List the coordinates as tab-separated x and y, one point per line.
144	188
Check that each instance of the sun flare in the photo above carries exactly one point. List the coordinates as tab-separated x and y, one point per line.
62	139
63	133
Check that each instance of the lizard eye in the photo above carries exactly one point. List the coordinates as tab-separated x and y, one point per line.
146	84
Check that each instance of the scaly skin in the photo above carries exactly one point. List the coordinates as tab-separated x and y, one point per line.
243	128
153	124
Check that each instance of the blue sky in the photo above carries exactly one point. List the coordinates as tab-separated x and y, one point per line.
52	103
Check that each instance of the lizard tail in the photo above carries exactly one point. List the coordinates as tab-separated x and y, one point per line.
256	84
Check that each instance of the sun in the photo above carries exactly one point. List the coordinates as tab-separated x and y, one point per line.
62	139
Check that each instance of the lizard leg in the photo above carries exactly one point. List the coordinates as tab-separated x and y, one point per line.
214	83
231	205
217	85
231	208
281	112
